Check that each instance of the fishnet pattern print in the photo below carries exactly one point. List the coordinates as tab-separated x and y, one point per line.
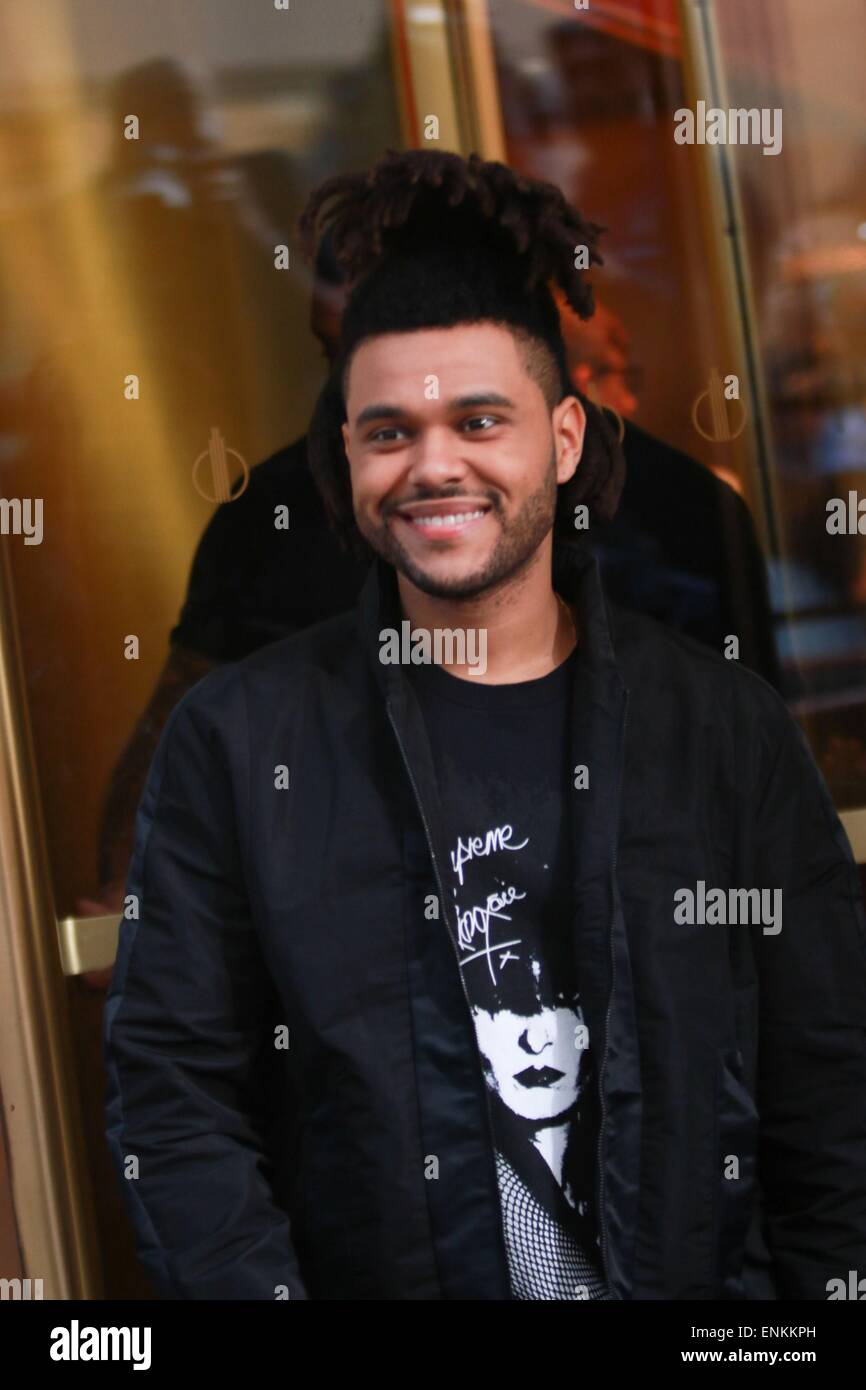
544	1260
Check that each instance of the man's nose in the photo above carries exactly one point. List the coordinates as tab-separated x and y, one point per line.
435	458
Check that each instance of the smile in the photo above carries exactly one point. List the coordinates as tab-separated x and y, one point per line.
459	519
441	523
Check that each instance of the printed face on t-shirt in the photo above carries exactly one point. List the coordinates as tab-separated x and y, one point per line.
533	1061
511	912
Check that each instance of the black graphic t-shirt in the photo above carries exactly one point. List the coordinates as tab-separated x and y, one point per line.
504	763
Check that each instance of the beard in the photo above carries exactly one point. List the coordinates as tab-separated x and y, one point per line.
518	541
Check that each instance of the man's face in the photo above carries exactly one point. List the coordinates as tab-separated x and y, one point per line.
454	455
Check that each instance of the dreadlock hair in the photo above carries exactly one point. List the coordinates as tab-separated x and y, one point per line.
431	240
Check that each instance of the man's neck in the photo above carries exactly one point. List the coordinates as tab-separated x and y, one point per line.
528	630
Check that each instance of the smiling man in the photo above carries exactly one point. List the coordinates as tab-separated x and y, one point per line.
458	492
403	1008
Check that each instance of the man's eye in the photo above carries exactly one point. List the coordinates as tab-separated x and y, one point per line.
386	435
485	421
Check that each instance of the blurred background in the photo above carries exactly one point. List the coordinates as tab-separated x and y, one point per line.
162	338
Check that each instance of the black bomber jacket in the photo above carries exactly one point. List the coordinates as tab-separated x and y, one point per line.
288	1042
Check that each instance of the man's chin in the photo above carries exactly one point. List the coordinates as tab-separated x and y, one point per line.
447	577
455	574
446	583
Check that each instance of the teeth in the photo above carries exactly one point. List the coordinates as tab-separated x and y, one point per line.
456	520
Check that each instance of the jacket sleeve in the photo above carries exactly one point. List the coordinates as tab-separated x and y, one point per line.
812	1026
185	1030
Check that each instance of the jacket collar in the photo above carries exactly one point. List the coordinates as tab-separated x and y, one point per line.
575	577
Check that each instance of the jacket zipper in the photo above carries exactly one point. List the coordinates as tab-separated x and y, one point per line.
602	1227
442	898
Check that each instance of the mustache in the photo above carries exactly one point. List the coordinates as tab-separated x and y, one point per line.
448	495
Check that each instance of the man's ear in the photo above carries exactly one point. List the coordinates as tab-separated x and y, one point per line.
569	431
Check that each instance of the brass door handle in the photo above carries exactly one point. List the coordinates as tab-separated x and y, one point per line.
88	943
854	822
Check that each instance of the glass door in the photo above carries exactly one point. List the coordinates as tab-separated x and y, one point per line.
723	148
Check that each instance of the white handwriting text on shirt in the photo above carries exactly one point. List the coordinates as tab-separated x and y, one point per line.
478	846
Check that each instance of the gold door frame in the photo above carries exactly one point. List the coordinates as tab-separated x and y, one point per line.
443	56
51	1194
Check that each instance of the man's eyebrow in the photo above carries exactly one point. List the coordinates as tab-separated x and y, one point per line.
480	398
382	411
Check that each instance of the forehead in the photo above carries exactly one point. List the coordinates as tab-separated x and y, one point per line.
468	358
